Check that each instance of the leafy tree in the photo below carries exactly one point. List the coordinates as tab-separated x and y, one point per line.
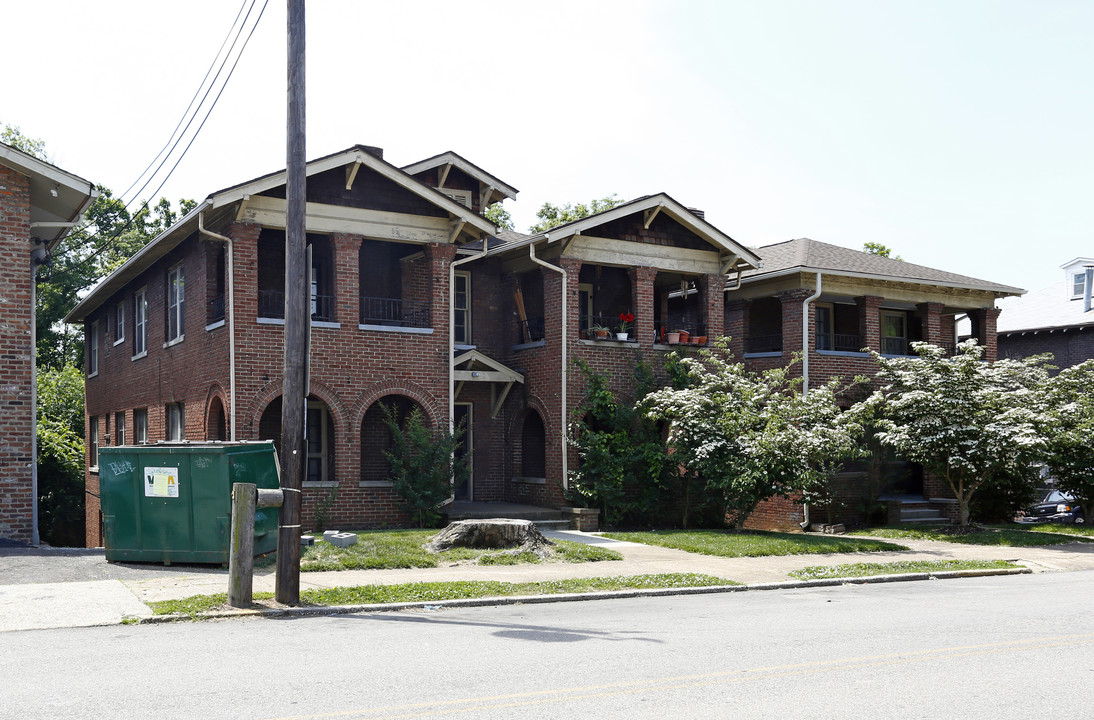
1069	428
624	468
499	216
13	136
874	248
551	215
969	422
60	428
750	436
424	465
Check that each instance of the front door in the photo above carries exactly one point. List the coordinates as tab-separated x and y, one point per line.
462	414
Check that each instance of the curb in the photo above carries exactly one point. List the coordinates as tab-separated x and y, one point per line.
328	610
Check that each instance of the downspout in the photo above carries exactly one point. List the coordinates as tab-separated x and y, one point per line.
565	375
34	538
452	332
231	317
805	367
1086	284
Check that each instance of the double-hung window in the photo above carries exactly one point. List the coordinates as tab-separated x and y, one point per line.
140	324
119	428
119	323
93	442
1078	284
93	350
176	419
894	333
461	305
140	426
176	297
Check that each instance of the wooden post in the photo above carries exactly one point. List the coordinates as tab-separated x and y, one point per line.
241	551
297	318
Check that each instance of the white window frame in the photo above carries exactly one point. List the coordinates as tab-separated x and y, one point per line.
119	428
830	310
175	422
93	442
140	324
903	315
176	304
119	323
140	426
465	312
93	350
1078	285
321	454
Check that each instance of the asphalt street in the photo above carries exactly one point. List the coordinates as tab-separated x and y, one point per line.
972	648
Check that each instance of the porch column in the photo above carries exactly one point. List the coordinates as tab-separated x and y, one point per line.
642	300
712	294
984	322
347	279
438	258
245	257
736	325
869	321
931	313
792	320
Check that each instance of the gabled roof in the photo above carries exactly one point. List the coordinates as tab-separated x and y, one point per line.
805	255
499	190
218	207
1047	308
359	155
58	199
652	205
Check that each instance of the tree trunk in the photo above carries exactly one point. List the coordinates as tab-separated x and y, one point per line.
493	533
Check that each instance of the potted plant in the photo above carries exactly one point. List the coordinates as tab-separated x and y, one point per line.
625	320
672	338
600	332
684	335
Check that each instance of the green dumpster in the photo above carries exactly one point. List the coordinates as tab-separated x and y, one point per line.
172	502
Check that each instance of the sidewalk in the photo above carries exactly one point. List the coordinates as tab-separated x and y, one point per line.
53	588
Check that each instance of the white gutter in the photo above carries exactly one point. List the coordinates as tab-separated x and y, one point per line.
231	317
562	417
907	280
805	367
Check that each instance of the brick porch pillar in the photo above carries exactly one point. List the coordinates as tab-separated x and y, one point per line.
712	290
642	299
792	322
245	260
735	322
347	278
869	321
984	324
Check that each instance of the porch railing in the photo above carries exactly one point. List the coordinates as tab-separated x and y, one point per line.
764	343
530	330
395	312
839	342
271	304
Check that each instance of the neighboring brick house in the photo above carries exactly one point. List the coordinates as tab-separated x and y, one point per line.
418	301
852	300
1057	319
39	204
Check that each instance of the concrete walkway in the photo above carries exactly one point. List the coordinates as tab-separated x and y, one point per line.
47	588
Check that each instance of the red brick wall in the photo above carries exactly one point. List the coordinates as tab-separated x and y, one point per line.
16	361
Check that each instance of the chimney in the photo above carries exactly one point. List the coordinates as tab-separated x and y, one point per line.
701	214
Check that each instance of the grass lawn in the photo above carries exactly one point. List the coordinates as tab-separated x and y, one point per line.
1009	535
752	544
853	570
436	591
386	549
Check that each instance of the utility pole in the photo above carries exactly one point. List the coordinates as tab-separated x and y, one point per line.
297	320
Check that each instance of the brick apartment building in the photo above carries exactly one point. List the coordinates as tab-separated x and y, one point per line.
1057	319
39	204
418	301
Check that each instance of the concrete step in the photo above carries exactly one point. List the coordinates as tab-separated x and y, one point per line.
906	514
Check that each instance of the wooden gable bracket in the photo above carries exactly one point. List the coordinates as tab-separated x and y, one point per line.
351	174
443	174
496	400
650	214
459	386
569	241
484	196
728	262
242	207
454	228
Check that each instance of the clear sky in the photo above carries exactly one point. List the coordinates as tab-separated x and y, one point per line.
957	132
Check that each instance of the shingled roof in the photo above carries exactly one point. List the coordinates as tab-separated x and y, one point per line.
805	255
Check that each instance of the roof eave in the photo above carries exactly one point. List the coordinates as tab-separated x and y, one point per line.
998	290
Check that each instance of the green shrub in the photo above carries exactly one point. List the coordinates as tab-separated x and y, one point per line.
424	465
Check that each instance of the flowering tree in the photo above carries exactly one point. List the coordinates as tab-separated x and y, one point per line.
752	436
965	420
1069	430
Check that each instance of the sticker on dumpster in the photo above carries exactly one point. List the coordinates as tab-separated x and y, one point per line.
161	482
